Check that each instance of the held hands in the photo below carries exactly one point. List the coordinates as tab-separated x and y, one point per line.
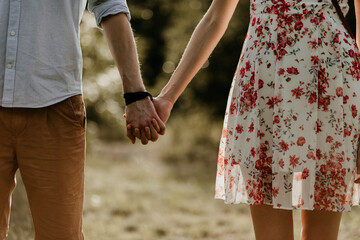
145	119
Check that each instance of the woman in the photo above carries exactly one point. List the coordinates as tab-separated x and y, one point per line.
291	128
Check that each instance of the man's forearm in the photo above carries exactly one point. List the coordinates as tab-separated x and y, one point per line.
121	42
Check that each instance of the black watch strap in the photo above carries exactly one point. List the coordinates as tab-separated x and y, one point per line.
135	96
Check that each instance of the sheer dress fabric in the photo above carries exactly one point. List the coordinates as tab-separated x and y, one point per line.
291	126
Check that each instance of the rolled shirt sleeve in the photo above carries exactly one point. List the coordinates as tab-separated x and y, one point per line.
103	8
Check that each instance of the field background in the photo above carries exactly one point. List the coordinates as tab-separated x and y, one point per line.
131	194
164	190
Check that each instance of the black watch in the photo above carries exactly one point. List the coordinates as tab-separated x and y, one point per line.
135	96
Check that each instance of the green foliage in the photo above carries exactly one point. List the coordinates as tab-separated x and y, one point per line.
162	29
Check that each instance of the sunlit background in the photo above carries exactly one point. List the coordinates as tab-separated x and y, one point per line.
164	190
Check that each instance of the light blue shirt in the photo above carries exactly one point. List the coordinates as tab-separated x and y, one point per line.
40	55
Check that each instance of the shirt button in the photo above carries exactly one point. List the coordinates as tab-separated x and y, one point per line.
12	33
9	66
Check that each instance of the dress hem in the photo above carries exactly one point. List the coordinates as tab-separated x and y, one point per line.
282	207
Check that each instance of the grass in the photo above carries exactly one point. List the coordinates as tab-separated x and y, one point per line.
131	194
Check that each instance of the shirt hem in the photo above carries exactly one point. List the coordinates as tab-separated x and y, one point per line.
46	104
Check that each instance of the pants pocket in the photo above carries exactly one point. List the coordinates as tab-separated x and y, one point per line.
78	111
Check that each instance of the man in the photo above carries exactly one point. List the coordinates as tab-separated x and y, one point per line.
42	115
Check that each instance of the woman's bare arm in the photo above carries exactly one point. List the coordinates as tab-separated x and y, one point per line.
357	14
203	41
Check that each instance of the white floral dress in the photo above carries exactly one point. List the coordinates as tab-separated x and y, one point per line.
291	127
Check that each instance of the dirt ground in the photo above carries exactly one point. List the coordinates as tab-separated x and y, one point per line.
131	194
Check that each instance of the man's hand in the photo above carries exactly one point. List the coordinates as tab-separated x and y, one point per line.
143	122
141	118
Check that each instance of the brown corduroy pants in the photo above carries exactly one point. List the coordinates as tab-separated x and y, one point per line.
47	145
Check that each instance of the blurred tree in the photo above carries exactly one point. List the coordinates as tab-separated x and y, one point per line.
162	29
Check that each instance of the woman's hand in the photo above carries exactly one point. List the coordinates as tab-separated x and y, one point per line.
163	108
143	122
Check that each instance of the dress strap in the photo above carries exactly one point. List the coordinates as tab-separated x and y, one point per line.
341	15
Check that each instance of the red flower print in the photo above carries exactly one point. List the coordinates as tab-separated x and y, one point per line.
336	38
271	45
276	119
232	108
353	111
329	139
273	101
305	173
323	169
242	72
331	192
239	129
226	161
318	154
294	161
224	133
281	163
310	155
301	203
285	7
260	134
234	162
248	66
269	160
312	98
313	44
258	164
318	127
220	165
275	192
259	30
260	83
305	11
347	132
281	71
253	152
297	92
324	102
298	25
283	145
251	127
315	20
339	91
315	60
292	70
280	54
253	21
345	98
351	53
300	141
